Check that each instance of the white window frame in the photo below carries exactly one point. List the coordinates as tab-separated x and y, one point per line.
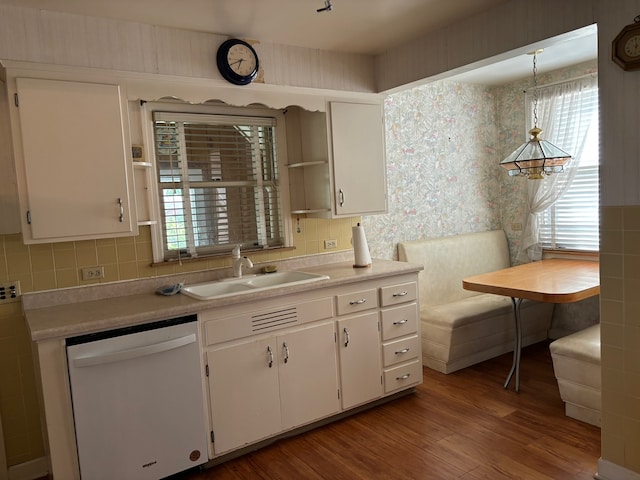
157	233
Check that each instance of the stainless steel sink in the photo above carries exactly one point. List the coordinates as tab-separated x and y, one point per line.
249	284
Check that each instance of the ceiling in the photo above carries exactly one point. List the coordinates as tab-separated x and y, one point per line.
355	26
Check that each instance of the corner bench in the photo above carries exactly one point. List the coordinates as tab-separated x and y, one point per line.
460	327
576	365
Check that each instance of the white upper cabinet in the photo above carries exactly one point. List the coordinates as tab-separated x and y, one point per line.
10	218
359	168
336	160
73	168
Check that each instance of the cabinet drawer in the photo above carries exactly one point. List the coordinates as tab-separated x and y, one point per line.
400	293
356	301
401	350
403	376
399	321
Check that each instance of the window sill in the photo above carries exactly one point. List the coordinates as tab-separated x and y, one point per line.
212	256
564	253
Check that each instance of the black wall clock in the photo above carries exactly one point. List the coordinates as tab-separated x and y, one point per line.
626	47
237	61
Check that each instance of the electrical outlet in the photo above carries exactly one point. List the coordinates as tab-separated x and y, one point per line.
92	273
330	244
9	291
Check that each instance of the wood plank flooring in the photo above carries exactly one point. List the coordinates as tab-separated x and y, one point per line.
458	426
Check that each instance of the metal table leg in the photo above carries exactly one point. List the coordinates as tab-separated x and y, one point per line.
515	367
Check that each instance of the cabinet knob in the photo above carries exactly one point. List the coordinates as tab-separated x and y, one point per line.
401	322
404	377
404	350
285	348
341	197
401	294
346	337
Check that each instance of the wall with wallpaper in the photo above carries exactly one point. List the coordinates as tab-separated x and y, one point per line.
444	142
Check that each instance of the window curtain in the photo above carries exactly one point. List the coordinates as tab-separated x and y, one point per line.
564	122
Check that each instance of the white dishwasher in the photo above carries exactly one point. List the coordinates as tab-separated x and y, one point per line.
138	400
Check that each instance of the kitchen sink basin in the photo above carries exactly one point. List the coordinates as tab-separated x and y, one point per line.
249	284
283	278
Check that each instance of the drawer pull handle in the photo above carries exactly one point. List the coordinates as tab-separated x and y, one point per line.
285	348
404	350
346	337
358	302
401	322
401	294
270	354
404	377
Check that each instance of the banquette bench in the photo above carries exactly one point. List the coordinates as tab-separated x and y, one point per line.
576	365
460	327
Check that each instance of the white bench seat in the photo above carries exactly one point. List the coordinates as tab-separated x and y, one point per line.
576	365
461	327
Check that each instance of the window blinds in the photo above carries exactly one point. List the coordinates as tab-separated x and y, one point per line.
218	182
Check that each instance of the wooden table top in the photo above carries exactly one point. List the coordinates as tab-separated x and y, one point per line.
553	280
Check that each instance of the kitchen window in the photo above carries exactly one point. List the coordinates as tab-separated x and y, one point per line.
218	183
572	222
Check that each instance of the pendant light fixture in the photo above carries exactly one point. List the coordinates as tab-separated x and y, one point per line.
537	157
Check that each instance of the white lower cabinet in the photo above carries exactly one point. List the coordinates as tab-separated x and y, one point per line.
261	387
276	367
360	368
244	394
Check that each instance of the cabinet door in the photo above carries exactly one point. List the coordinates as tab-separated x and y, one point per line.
10	218
243	390
359	170
360	364
308	374
76	177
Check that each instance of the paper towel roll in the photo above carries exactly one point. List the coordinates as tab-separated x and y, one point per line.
360	247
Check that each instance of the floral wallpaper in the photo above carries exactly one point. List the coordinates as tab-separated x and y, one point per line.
444	142
441	179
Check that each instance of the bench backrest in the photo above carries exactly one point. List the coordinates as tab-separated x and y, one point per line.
447	260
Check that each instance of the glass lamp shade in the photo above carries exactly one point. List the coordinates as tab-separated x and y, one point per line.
535	158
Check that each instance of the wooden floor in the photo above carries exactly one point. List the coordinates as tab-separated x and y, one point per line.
458	426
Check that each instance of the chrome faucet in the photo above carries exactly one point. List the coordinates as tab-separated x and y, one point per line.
238	261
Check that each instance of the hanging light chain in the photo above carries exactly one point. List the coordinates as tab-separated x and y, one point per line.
535	89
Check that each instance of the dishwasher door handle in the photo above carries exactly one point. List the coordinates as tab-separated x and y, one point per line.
143	351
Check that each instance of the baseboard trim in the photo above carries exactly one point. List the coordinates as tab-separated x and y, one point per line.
611	471
30	470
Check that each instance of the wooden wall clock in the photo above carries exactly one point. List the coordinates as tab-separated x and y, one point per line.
626	47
